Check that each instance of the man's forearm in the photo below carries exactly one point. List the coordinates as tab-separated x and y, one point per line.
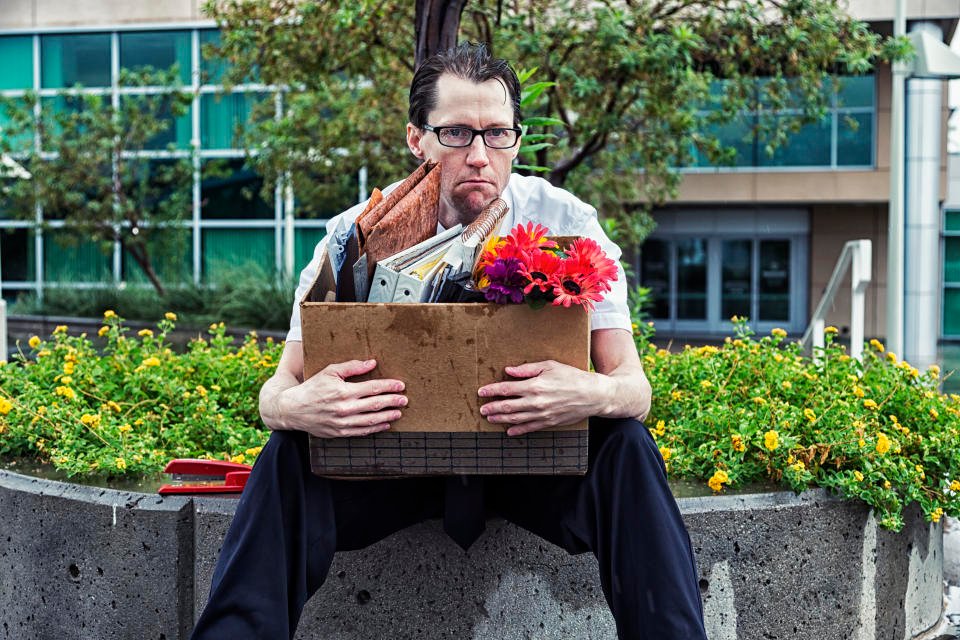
628	394
270	395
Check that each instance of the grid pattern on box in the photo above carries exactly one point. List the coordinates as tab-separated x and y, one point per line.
442	453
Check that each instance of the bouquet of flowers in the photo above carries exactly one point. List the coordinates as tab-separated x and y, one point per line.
527	266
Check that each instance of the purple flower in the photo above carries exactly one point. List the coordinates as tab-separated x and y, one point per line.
506	281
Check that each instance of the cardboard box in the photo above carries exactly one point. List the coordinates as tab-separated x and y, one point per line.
444	353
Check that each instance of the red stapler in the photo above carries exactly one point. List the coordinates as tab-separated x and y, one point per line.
204	476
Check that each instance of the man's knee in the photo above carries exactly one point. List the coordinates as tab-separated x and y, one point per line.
627	440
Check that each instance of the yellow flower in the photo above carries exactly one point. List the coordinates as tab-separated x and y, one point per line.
121	463
253	451
870	404
876	344
42	410
66	379
717	480
861	443
737	441
858	391
152	361
734	318
858	476
109	314
34	342
103	331
891	356
675	394
91	420
955	485
113	405
66	392
706	384
934	370
798	466
145	333
779	333
810	415
777	357
883	443
936	515
771	440
5	406
68	368
661	428
43	353
666	453
201	390
786	384
125	428
886	484
60	328
237	458
215	387
831	330
934	414
213	327
171	316
759	400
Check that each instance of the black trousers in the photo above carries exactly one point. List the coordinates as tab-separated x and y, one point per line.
289	523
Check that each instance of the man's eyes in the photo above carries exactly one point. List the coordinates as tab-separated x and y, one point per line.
497	133
453	132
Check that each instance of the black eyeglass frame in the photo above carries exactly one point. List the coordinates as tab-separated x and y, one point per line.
473	134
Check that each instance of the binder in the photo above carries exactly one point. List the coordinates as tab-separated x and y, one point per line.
387	271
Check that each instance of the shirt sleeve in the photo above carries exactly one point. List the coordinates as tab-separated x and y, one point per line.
611	312
307	276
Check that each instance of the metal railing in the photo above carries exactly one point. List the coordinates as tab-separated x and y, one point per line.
857	257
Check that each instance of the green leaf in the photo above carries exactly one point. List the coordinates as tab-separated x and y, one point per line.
531	148
543	121
530	167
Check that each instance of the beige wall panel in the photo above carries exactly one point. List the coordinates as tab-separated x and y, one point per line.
883	139
787	187
717	187
885	9
85	13
16	14
830	227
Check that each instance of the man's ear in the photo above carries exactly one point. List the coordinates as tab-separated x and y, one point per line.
414	136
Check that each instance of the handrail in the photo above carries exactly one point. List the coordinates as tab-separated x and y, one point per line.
857	255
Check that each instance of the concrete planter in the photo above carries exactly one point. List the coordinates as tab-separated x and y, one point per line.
82	562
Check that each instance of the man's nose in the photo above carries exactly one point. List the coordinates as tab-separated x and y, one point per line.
477	154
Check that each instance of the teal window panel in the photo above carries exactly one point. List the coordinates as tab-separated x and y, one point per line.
16	52
179	129
305	242
66	60
737	135
855	139
737	278
952	221
951	311
171	258
655	266
856	91
221	117
951	259
808	147
17	255
53	109
214	68
224	251
159	50
17	125
692	279
67	257
230	190
774	281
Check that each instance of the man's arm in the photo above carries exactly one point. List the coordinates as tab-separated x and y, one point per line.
553	394
328	405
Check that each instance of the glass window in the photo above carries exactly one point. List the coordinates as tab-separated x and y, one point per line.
211	68
231	190
692	279
179	130
774	280
855	91
951	259
170	254
17	255
952	220
69	258
655	275
306	240
810	146
226	250
158	50
221	115
951	311
67	60
737	277
18	134
855	139
16	52
736	134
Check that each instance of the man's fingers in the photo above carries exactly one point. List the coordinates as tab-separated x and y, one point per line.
374	387
528	370
529	427
503	389
379	402
350	368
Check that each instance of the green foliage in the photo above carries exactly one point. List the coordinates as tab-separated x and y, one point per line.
626	86
130	407
88	172
757	410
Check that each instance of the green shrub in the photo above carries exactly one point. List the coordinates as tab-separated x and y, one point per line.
754	410
134	405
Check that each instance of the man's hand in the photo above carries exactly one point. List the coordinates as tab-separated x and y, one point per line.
551	394
328	405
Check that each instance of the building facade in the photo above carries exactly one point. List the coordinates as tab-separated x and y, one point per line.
758	239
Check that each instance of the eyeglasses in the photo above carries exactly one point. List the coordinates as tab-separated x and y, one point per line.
496	138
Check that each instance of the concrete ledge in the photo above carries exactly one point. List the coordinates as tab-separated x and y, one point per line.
112	564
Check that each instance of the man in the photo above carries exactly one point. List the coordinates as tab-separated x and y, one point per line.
464	113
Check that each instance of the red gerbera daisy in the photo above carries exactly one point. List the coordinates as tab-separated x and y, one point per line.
571	286
530	237
592	261
539	270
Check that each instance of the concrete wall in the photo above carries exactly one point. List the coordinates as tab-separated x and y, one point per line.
82	562
32	14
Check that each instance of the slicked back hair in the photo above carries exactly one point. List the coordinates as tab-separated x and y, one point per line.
469	61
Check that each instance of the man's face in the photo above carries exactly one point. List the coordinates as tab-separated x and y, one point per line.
471	176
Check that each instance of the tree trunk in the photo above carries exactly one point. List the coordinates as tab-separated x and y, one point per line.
437	26
139	254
